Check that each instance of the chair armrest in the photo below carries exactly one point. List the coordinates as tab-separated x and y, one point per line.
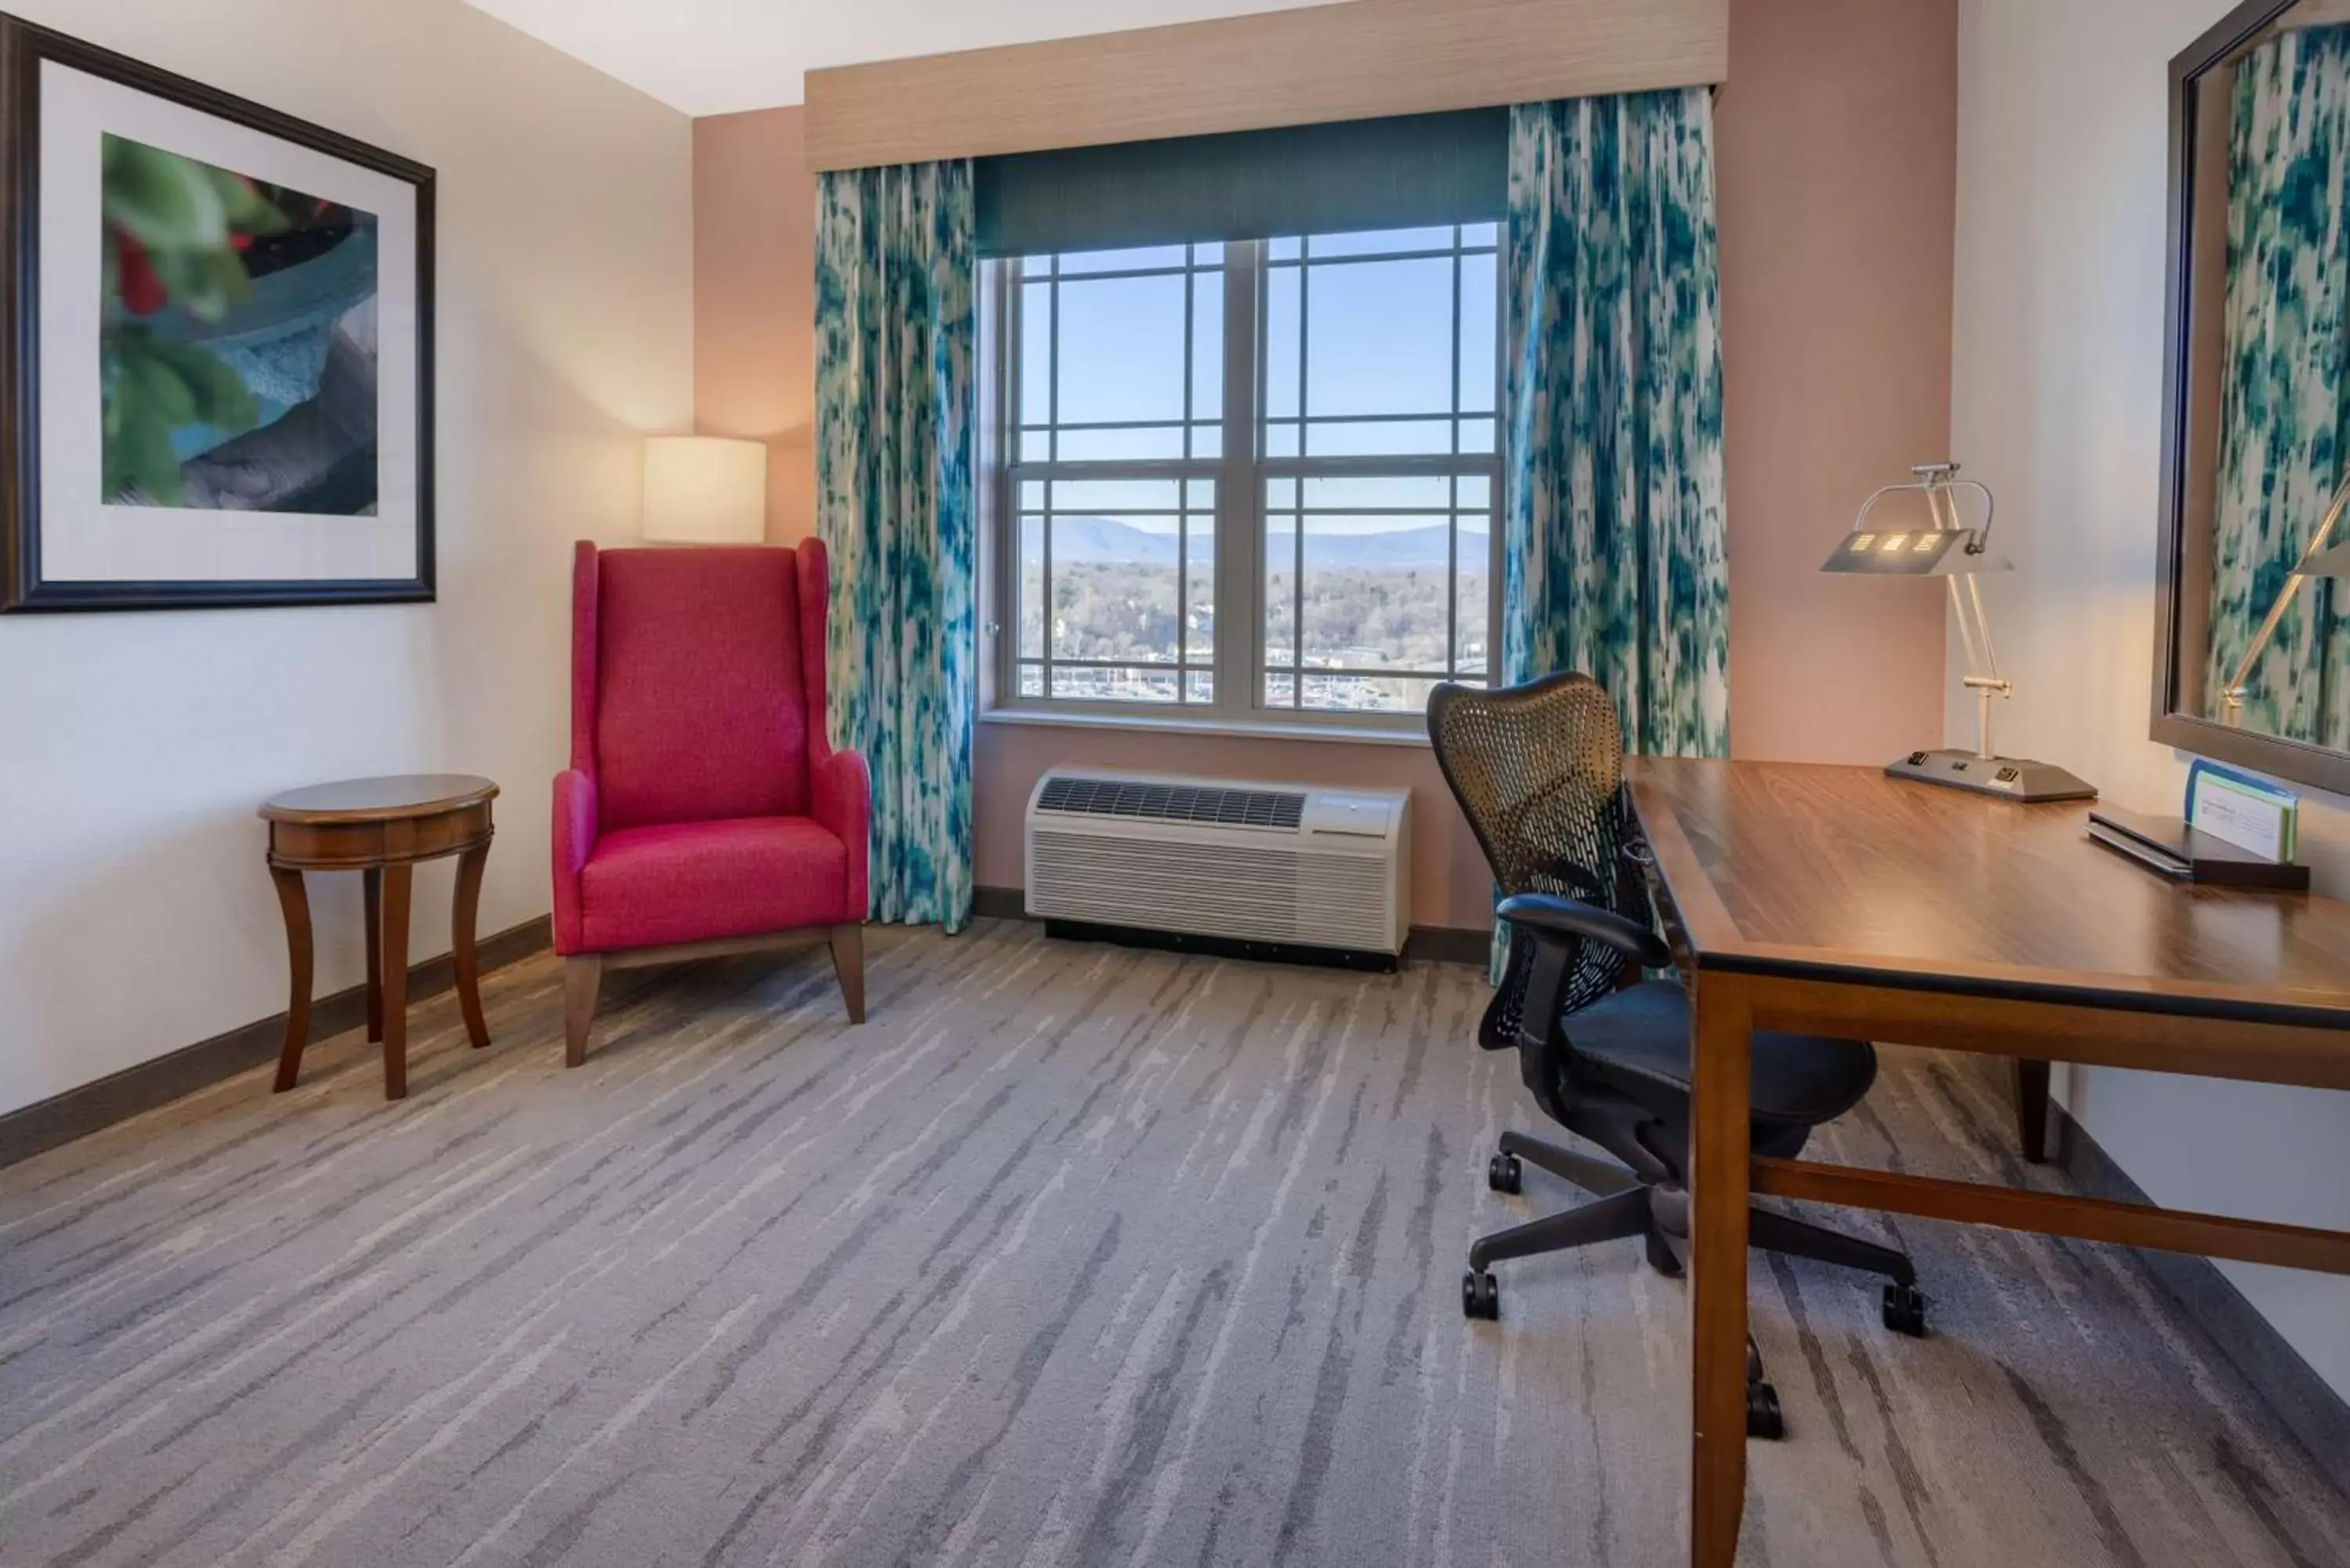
574	820
841	801
1548	915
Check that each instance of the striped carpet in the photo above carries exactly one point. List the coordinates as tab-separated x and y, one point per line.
1073	1256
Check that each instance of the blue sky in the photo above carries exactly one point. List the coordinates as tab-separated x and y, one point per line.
1380	341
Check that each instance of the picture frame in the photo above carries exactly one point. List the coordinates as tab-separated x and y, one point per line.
216	346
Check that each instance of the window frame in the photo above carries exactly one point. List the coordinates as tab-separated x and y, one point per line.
1242	472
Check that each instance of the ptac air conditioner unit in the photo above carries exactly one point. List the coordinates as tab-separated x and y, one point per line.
1219	864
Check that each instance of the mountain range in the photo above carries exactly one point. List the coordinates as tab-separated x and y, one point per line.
1105	540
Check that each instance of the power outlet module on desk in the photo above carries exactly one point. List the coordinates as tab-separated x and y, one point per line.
2012	778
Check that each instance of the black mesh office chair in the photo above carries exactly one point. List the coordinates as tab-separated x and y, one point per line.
1538	770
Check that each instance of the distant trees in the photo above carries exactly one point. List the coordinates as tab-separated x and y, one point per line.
1375	619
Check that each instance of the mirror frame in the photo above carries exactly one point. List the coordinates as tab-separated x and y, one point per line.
2173	724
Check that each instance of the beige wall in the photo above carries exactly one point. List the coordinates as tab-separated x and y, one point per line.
135	918
2056	396
1836	136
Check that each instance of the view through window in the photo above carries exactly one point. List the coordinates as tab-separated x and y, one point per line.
1253	477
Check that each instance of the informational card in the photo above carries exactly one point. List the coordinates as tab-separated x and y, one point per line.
2248	813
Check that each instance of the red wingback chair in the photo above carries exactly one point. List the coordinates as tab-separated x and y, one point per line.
703	812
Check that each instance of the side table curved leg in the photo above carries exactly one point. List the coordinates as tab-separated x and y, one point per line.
397	880
462	953
372	880
294	902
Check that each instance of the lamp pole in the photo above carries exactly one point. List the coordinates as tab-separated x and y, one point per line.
2231	695
1983	677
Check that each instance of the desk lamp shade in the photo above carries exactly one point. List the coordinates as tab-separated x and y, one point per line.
1911	553
705	490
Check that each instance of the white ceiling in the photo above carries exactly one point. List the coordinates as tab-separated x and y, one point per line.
714	56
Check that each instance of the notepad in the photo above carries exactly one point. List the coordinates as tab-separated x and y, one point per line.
2249	813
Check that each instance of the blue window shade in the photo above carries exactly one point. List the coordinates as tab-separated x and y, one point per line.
1411	171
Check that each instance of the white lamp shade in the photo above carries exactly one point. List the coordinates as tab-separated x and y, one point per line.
705	490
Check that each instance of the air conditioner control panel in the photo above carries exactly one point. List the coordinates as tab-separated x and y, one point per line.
1364	813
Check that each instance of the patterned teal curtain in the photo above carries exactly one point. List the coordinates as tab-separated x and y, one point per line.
2282	419
894	332
1613	559
1612	550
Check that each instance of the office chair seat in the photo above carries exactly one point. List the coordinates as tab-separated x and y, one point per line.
1637	1042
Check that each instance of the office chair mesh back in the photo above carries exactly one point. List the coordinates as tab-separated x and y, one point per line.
1538	770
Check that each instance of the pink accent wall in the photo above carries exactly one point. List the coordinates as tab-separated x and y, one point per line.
755	301
1837	185
1837	138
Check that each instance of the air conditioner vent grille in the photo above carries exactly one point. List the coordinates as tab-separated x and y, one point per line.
1208	805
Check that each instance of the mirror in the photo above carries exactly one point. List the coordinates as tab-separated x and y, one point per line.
2253	655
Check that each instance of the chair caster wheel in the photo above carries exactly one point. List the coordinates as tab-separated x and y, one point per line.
1481	1296
1905	1310
1504	1174
1762	1417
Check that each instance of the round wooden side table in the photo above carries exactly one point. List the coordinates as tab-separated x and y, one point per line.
380	829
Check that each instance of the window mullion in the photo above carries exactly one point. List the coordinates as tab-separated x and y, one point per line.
1240	500
1000	359
1497	504
1452	513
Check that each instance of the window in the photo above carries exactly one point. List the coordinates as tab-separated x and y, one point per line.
1252	479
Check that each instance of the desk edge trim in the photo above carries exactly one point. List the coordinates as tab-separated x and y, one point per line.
2171	1004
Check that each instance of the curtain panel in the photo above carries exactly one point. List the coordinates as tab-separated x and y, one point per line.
895	419
2284	417
1613	554
1614	560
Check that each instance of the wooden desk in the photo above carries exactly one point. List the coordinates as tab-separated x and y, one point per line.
381	828
1839	901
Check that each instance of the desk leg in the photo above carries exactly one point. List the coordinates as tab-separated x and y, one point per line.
372	882
460	945
294	903
1719	1153
2031	1110
396	883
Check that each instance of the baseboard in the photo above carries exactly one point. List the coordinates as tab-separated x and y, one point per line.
1427	944
2305	1402
1000	903
1449	944
118	1097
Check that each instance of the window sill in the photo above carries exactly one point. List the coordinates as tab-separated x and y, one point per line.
1255	729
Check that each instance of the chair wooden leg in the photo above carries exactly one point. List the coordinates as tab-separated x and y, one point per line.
582	974
848	963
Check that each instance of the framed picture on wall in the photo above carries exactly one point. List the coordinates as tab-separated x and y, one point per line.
216	345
